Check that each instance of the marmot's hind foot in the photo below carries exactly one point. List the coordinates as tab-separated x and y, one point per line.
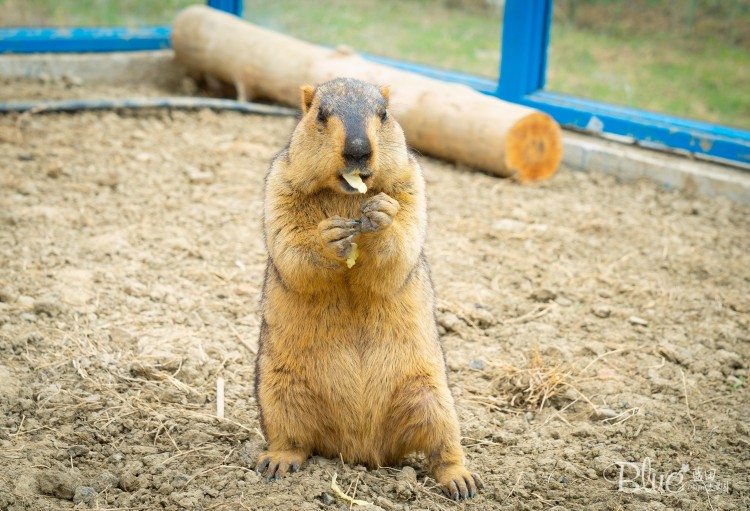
278	463
458	483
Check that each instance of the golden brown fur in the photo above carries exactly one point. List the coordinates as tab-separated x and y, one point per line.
350	363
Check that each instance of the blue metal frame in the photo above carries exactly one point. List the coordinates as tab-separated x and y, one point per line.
80	39
526	26
90	39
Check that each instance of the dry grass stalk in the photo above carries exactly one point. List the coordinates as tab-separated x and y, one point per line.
220	397
535	385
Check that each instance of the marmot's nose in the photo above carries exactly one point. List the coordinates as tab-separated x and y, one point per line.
357	149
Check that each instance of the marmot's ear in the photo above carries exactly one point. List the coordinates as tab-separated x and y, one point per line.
308	91
386	92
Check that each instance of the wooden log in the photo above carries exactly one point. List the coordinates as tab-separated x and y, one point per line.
446	120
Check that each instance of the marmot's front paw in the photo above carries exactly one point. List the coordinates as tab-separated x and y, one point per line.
277	464
378	213
457	482
337	234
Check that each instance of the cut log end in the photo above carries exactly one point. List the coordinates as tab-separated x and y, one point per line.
534	147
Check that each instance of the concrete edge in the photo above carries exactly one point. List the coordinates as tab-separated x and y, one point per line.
580	152
630	162
123	68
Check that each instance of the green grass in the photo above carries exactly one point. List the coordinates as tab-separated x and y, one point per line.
668	71
420	31
709	82
71	13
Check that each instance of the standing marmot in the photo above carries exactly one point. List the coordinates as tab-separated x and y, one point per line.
350	362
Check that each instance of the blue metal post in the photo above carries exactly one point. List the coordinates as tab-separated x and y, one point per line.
524	49
230	6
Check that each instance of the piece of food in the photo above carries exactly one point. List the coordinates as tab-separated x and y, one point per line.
353	256
340	494
355	181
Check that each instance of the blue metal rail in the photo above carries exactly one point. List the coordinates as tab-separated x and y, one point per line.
526	27
82	40
95	39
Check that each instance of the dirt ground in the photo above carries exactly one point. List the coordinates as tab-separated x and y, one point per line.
597	333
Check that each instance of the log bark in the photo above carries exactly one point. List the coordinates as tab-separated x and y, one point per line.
450	121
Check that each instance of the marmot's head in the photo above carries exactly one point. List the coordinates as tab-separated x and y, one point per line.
346	127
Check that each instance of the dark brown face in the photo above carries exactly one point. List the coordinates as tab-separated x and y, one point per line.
348	115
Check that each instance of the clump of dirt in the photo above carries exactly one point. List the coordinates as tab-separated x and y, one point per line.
131	260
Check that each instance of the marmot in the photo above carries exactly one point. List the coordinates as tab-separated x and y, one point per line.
350	362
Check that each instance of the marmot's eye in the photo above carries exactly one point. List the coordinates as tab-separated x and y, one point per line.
322	116
384	116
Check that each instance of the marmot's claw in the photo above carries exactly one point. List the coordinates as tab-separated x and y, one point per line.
478	481
278	463
262	465
459	484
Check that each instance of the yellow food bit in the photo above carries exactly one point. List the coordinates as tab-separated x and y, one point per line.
355	181
340	494
352	256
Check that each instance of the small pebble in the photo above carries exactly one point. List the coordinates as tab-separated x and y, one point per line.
601	311
508	224
403	490
478	363
605	413
450	322
72	80
57	484
129	482
84	494
386	504
563	302
200	177
180	481
76	451
543	295
105	480
408	474
27	188
166	489
482	317
25	301
49	305
635	320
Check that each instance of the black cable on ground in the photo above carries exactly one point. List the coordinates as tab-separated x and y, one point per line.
175	103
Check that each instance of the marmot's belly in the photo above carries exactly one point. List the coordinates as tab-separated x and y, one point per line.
350	375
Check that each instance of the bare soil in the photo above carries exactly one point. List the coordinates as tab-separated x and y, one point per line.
592	328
